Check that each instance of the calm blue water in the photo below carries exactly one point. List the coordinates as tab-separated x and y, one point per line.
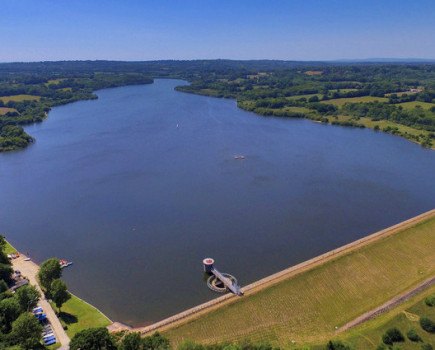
136	203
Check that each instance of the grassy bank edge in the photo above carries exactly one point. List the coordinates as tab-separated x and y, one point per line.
76	314
388	127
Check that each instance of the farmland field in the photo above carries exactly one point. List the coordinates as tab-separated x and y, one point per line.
413	104
55	81
309	306
296	109
307	96
341	101
19	98
4	110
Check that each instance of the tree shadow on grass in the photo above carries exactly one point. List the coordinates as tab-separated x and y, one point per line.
67	318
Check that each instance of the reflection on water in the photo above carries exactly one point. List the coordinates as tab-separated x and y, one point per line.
137	202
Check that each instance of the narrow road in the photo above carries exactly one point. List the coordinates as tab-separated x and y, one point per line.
29	270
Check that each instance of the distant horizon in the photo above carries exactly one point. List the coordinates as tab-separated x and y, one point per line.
137	30
338	60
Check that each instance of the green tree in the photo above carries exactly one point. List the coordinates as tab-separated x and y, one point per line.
392	335
2	242
413	336
6	272
132	341
4	258
49	271
427	324
3	286
92	339
27	331
336	345
155	341
189	345
426	347
59	293
9	311
28	297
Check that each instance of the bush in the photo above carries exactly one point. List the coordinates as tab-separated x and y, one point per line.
426	347
413	336
386	339
336	345
427	324
430	300
392	335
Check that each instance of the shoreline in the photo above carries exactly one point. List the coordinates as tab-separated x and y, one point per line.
307	118
24	256
275	278
263	283
62	328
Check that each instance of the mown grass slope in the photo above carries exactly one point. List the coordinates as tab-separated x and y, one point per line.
78	315
308	307
403	317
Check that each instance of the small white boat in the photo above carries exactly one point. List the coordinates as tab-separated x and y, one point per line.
239	157
64	263
27	259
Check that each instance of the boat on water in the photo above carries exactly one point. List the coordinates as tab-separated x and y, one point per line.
64	263
239	157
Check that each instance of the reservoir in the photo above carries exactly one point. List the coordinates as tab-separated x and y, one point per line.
139	186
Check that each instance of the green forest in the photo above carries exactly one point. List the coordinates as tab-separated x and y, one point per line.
397	98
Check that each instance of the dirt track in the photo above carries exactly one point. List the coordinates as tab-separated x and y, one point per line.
283	275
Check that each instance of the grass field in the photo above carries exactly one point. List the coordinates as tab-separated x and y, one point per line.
314	72
367	122
400	93
54	81
343	90
404	317
341	101
296	109
19	98
4	110
413	104
297	97
307	307
381	123
9	249
78	315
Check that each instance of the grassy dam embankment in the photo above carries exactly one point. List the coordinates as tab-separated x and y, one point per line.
307	302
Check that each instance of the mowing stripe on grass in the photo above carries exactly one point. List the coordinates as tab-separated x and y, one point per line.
308	301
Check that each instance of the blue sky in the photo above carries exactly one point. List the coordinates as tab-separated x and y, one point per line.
37	30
